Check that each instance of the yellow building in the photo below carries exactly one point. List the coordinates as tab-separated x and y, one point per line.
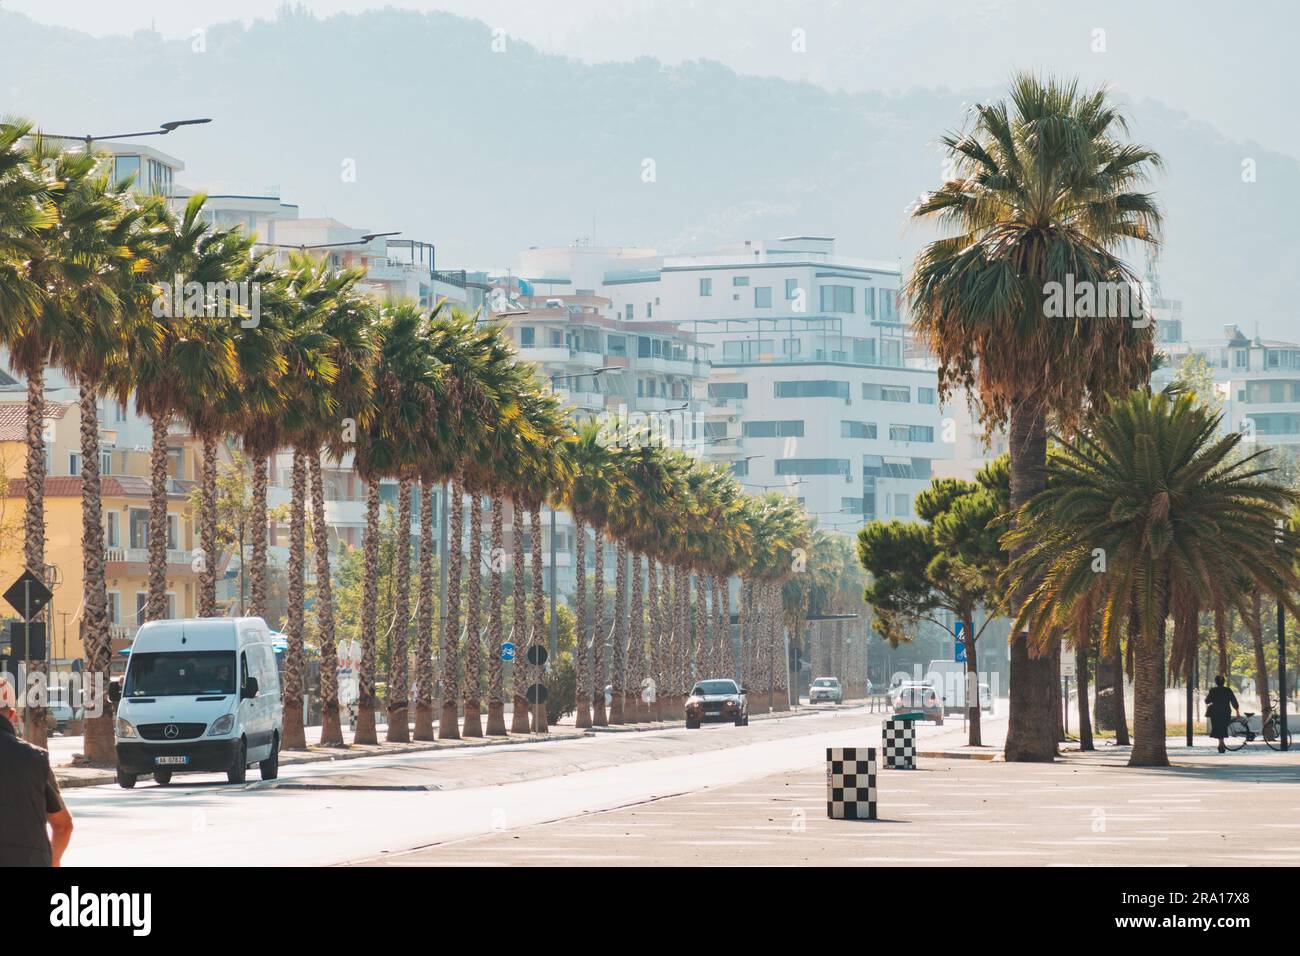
126	530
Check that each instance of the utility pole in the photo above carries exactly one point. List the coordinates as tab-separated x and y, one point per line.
1281	672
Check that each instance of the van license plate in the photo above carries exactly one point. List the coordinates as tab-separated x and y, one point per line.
169	761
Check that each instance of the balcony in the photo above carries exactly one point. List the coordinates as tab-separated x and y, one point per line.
581	399
126	557
551	355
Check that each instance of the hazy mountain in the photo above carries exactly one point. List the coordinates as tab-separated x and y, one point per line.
486	152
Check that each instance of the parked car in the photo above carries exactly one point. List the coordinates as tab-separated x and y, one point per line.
986	699
200	695
913	697
60	711
826	689
715	701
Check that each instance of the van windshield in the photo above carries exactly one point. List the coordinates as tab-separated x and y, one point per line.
180	674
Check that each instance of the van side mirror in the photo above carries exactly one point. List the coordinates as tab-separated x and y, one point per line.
250	689
115	692
745	691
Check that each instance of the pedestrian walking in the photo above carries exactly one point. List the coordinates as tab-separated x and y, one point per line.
35	826
1220	704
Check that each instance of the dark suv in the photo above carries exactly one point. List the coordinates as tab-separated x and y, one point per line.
716	701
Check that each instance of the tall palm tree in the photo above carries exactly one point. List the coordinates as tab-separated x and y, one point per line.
189	355
103	236
1176	514
1044	191
408	383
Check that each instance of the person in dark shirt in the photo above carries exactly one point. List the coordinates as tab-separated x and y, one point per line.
1220	704
35	826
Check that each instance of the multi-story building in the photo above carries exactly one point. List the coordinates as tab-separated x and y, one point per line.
810	390
1258	381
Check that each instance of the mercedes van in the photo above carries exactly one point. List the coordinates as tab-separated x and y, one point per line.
200	695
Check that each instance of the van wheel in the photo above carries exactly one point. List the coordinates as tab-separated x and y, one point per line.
125	780
239	772
162	777
270	767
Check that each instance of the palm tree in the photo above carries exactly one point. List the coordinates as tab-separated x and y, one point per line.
103	236
1151	486
408	383
188	356
1043	189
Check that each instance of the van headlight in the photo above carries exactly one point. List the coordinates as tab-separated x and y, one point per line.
124	728
222	725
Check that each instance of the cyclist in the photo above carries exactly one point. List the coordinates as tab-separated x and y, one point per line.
1217	704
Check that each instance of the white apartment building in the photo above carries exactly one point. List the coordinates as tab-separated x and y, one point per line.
810	391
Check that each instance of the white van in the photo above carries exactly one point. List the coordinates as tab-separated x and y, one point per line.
200	695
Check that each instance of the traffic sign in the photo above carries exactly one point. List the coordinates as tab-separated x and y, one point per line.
28	595
537	656
537	694
507	652
959	647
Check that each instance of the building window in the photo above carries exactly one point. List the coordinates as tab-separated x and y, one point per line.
747	350
774	429
114	607
790	346
740	468
139	528
911	433
616	345
853	506
762	297
1240	358
112	529
729	390
74	463
817	388
791	288
527	336
857	429
813	466
738	281
124	166
864	351
925	396
706	287
886	393
837	298
888	305
628	312
105	462
649	311
869	302
173	532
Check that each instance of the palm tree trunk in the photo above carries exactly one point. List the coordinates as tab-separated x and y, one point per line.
581	653
617	702
1256	627
207	599
34	518
721	601
496	721
539	615
295	736
634	709
1032	724
365	732
474	622
94	614
1221	639
449	657
703	631
1081	677
1149	701
598	716
331	730
424	619
156	604
655	637
257	524
520	627
781	659
399	680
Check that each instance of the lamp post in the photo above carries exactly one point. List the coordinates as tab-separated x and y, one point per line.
305	246
162	130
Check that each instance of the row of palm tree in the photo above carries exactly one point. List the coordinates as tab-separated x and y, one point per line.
424	398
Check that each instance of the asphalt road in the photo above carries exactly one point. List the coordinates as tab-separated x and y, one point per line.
371	807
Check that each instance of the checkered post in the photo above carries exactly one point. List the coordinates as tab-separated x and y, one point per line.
899	737
851	783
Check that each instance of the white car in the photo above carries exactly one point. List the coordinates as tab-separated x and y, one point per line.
986	699
199	695
826	689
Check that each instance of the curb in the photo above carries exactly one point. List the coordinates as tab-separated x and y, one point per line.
961	755
98	777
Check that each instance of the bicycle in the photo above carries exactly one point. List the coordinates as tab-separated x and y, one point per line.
1240	734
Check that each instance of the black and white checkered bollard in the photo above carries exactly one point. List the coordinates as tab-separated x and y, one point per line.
851	783
899	738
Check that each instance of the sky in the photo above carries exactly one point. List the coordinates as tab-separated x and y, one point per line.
1230	65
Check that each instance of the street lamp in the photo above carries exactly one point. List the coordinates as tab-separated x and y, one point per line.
162	130
304	247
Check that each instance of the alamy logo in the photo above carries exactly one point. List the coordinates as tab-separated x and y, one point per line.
1096	300
222	300
74	908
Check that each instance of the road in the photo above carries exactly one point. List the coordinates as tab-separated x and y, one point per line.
361	809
